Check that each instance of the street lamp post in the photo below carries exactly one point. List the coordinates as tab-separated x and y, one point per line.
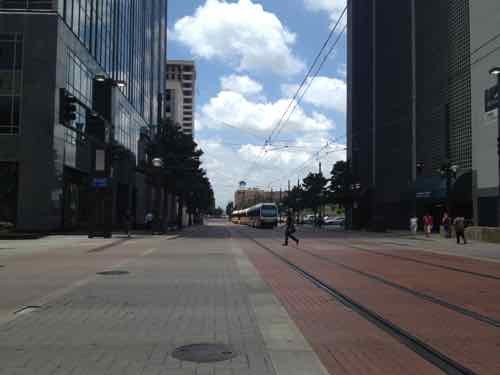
157	164
449	172
496	72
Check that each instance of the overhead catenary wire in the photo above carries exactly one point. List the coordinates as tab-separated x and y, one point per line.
293	102
304	81
310	159
297	102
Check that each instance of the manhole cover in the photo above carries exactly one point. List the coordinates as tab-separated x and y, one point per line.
113	273
204	353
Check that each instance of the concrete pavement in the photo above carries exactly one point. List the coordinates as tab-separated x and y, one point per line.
218	284
197	289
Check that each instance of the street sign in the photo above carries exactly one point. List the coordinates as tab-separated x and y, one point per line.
100	183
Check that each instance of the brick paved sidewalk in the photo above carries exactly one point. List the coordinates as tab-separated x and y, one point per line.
472	343
195	289
345	342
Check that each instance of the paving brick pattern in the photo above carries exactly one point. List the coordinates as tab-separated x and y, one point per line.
345	342
471	343
188	291
478	294
468	264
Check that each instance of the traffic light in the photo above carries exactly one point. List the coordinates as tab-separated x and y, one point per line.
67	107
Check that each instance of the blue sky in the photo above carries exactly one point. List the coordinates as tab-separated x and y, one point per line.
250	56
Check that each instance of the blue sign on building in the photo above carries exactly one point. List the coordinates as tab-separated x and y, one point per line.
100	182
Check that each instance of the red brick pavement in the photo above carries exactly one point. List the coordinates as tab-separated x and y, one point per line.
469	342
467	264
345	342
478	294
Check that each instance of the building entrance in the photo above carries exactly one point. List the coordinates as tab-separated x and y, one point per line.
8	192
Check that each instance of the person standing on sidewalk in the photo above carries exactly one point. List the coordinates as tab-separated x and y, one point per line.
446	224
290	229
148	220
428	224
459	224
128	222
414	225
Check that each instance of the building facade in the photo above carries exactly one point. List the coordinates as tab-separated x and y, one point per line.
66	44
181	94
408	107
485	54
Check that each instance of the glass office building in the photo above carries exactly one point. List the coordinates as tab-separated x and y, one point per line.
409	107
46	46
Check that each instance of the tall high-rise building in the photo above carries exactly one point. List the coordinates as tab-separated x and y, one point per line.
181	93
485	55
49	48
408	106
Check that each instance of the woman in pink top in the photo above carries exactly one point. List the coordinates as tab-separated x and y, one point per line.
428	224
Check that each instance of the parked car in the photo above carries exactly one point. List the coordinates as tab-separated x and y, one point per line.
308	219
340	220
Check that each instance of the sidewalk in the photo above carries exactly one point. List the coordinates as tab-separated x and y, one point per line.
438	244
198	289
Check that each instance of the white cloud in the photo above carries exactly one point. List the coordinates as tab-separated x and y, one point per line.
241	84
334	9
233	108
342	71
241	33
198	124
324	92
272	169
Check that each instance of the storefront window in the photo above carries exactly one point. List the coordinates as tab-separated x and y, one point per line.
10	82
8	192
27	4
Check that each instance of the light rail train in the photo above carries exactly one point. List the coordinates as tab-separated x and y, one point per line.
262	215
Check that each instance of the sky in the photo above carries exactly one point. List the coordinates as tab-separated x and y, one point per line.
251	57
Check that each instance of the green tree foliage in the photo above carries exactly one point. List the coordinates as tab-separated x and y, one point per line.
339	182
181	173
314	191
293	201
229	208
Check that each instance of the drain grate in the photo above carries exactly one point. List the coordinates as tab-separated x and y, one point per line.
204	353
113	273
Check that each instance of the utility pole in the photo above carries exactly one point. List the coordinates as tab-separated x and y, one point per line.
320	172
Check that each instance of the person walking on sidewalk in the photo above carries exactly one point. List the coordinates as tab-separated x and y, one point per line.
459	224
290	230
428	224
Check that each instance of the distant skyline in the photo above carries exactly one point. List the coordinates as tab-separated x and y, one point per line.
251	56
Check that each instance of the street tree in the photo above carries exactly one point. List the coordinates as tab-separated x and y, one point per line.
339	182
229	208
314	193
181	174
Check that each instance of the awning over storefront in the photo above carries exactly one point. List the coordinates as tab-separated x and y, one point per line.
433	187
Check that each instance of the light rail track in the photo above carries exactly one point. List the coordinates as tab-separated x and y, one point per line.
424	350
423	262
